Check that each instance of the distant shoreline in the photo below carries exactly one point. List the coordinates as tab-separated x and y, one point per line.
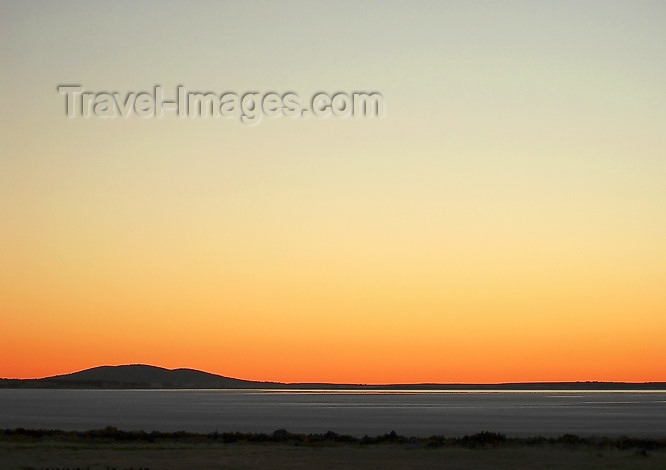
147	377
359	389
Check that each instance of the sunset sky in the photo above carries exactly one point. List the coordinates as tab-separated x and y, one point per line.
504	221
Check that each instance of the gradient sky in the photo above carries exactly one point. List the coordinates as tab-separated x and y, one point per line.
505	221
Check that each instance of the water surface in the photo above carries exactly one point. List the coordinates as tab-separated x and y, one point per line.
418	413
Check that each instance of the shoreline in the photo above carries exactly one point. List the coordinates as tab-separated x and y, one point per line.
483	439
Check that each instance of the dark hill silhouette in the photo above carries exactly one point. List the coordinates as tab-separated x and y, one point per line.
135	376
141	376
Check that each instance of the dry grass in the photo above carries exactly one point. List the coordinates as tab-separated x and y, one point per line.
238	456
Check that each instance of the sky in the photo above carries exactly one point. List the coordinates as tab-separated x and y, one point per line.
504	221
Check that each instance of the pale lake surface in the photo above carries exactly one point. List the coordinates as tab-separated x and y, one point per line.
545	413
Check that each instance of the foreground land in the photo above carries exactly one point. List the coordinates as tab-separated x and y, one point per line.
113	449
281	456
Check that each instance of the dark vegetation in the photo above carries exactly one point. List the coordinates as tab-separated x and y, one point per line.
281	436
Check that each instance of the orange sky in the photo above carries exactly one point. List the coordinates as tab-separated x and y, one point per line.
505	221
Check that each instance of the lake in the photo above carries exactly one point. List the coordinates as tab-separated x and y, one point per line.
418	413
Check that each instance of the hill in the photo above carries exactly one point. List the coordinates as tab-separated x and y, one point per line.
134	376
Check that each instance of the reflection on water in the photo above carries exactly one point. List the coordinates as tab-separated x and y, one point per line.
357	412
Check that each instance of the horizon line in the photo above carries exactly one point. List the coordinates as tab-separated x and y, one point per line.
385	384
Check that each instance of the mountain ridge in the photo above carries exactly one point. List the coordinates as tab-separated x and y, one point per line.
144	376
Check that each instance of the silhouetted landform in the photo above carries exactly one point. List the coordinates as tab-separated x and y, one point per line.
135	376
140	376
282	436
